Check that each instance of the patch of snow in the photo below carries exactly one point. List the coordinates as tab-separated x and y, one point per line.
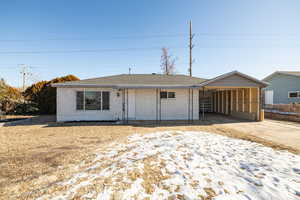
189	165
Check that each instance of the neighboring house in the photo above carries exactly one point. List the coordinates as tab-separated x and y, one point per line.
158	97
284	88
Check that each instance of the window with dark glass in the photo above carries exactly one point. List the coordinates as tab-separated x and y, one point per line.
294	94
167	95
163	95
171	95
105	100
92	100
79	100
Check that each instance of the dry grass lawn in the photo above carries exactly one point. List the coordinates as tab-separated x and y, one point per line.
40	152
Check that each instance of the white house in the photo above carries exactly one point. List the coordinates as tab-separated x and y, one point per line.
158	97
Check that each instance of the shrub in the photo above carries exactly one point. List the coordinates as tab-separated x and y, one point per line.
43	95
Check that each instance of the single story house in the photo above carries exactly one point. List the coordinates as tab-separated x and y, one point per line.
158	97
283	88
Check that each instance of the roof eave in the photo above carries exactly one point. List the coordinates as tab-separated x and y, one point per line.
280	72
65	85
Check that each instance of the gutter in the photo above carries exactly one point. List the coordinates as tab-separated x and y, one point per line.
65	85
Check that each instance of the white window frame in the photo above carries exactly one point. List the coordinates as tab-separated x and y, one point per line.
101	100
298	94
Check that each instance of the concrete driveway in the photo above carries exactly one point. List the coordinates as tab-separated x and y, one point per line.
280	132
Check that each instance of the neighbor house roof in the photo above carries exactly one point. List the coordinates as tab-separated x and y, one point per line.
136	80
290	73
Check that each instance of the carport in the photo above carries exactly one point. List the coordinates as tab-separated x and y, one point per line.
234	94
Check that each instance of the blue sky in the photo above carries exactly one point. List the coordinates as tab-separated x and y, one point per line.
255	37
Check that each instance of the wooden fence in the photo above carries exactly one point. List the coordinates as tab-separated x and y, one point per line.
292	108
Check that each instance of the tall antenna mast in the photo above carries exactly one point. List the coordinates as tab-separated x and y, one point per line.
191	46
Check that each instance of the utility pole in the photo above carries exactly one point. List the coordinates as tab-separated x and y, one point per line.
24	72
129	70
191	46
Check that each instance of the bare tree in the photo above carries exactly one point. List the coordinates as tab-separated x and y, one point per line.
167	62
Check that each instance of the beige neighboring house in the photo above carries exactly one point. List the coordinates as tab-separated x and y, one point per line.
158	97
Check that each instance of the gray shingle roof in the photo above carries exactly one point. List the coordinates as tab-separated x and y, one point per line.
137	80
290	73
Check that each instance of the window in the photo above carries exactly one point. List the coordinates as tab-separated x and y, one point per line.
167	95
105	100
79	100
171	95
92	100
295	94
163	95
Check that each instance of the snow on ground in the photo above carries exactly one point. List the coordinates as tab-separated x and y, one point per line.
185	165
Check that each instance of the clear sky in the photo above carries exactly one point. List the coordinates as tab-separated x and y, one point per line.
98	38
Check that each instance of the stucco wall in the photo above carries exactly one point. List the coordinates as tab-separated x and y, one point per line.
281	84
171	109
66	106
177	109
141	105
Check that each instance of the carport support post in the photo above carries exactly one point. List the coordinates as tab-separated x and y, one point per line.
237	100
223	101
243	100
215	102
250	101
226	102
231	101
218	104
258	103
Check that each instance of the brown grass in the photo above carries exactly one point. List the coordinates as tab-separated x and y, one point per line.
34	156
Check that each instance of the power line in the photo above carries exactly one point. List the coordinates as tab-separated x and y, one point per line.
94	39
84	50
240	36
